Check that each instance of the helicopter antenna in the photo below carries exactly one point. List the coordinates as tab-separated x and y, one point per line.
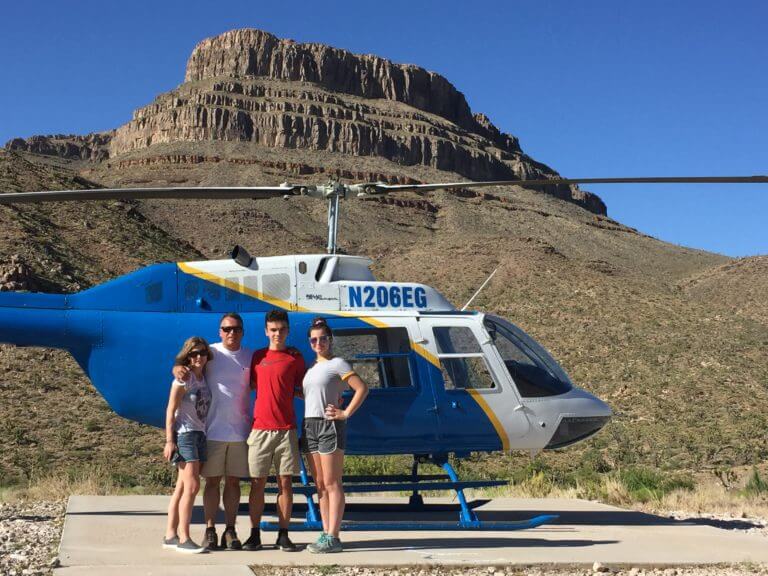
480	289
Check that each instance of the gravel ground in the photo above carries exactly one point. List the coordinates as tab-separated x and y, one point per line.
30	533
29	537
724	570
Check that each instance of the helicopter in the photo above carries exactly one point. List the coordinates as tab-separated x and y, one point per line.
443	381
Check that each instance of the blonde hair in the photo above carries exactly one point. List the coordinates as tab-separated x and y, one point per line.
189	345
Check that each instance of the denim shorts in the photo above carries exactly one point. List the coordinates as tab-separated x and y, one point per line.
190	447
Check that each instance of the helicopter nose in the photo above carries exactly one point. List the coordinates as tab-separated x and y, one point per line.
585	415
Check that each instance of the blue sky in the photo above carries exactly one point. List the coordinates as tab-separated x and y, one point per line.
591	87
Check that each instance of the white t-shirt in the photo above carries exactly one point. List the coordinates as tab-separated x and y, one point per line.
323	385
229	379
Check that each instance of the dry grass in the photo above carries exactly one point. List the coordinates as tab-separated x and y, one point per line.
97	482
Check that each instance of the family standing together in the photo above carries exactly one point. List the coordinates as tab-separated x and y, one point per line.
210	432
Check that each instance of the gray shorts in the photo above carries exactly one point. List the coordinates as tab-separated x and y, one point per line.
323	436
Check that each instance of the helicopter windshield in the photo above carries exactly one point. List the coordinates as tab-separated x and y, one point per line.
533	370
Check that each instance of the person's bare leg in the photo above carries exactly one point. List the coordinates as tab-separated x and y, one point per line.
231	499
284	500
171	529
256	501
316	465
191	475
333	466
211	496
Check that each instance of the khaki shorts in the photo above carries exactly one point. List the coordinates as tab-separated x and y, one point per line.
226	459
266	447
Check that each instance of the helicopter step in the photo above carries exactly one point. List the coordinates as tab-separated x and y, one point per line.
385	484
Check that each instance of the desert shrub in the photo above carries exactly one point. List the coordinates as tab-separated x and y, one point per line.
645	484
755	486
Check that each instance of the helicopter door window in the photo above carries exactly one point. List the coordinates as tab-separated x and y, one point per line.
461	359
532	369
380	356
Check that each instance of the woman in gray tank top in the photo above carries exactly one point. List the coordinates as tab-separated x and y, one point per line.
324	429
185	444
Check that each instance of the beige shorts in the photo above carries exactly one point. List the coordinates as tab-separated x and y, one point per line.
226	459
268	447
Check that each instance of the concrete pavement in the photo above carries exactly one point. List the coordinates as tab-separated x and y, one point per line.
122	535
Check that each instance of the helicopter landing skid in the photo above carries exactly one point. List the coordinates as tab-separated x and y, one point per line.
416	525
468	520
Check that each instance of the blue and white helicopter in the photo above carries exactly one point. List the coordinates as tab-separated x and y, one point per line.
442	381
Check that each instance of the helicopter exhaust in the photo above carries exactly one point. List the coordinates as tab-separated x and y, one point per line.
241	256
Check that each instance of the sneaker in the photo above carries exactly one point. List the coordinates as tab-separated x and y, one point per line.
169	543
334	545
229	540
315	547
211	539
254	540
189	547
329	545
284	543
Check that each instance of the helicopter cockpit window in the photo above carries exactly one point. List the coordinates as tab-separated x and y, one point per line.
380	356
534	371
461	359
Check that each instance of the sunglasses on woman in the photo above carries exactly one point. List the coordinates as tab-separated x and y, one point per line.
316	339
197	354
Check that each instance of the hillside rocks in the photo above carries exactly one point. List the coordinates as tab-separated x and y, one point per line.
90	147
16	275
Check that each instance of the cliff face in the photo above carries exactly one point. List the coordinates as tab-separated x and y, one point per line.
253	53
90	147
251	87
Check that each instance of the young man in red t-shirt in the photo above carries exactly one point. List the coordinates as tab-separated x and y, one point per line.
276	375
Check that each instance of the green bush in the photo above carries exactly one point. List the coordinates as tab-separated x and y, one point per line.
644	484
756	486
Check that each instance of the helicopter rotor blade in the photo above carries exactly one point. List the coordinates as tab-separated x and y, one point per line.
207	192
381	188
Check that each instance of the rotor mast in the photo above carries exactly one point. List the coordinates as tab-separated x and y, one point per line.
333	216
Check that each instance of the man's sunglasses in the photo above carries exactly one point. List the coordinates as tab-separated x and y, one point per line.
317	339
228	329
197	353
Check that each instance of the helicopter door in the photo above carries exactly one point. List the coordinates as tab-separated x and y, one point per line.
399	414
471	386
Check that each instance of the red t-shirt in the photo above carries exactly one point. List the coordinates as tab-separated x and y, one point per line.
276	376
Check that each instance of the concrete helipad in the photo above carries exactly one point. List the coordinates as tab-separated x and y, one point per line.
122	534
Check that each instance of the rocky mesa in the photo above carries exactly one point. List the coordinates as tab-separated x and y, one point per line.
249	86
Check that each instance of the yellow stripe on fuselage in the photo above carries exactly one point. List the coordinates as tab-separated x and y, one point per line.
492	417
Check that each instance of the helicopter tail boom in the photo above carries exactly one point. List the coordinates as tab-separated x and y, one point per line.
33	319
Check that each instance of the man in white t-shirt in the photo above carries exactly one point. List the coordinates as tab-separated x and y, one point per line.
227	428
